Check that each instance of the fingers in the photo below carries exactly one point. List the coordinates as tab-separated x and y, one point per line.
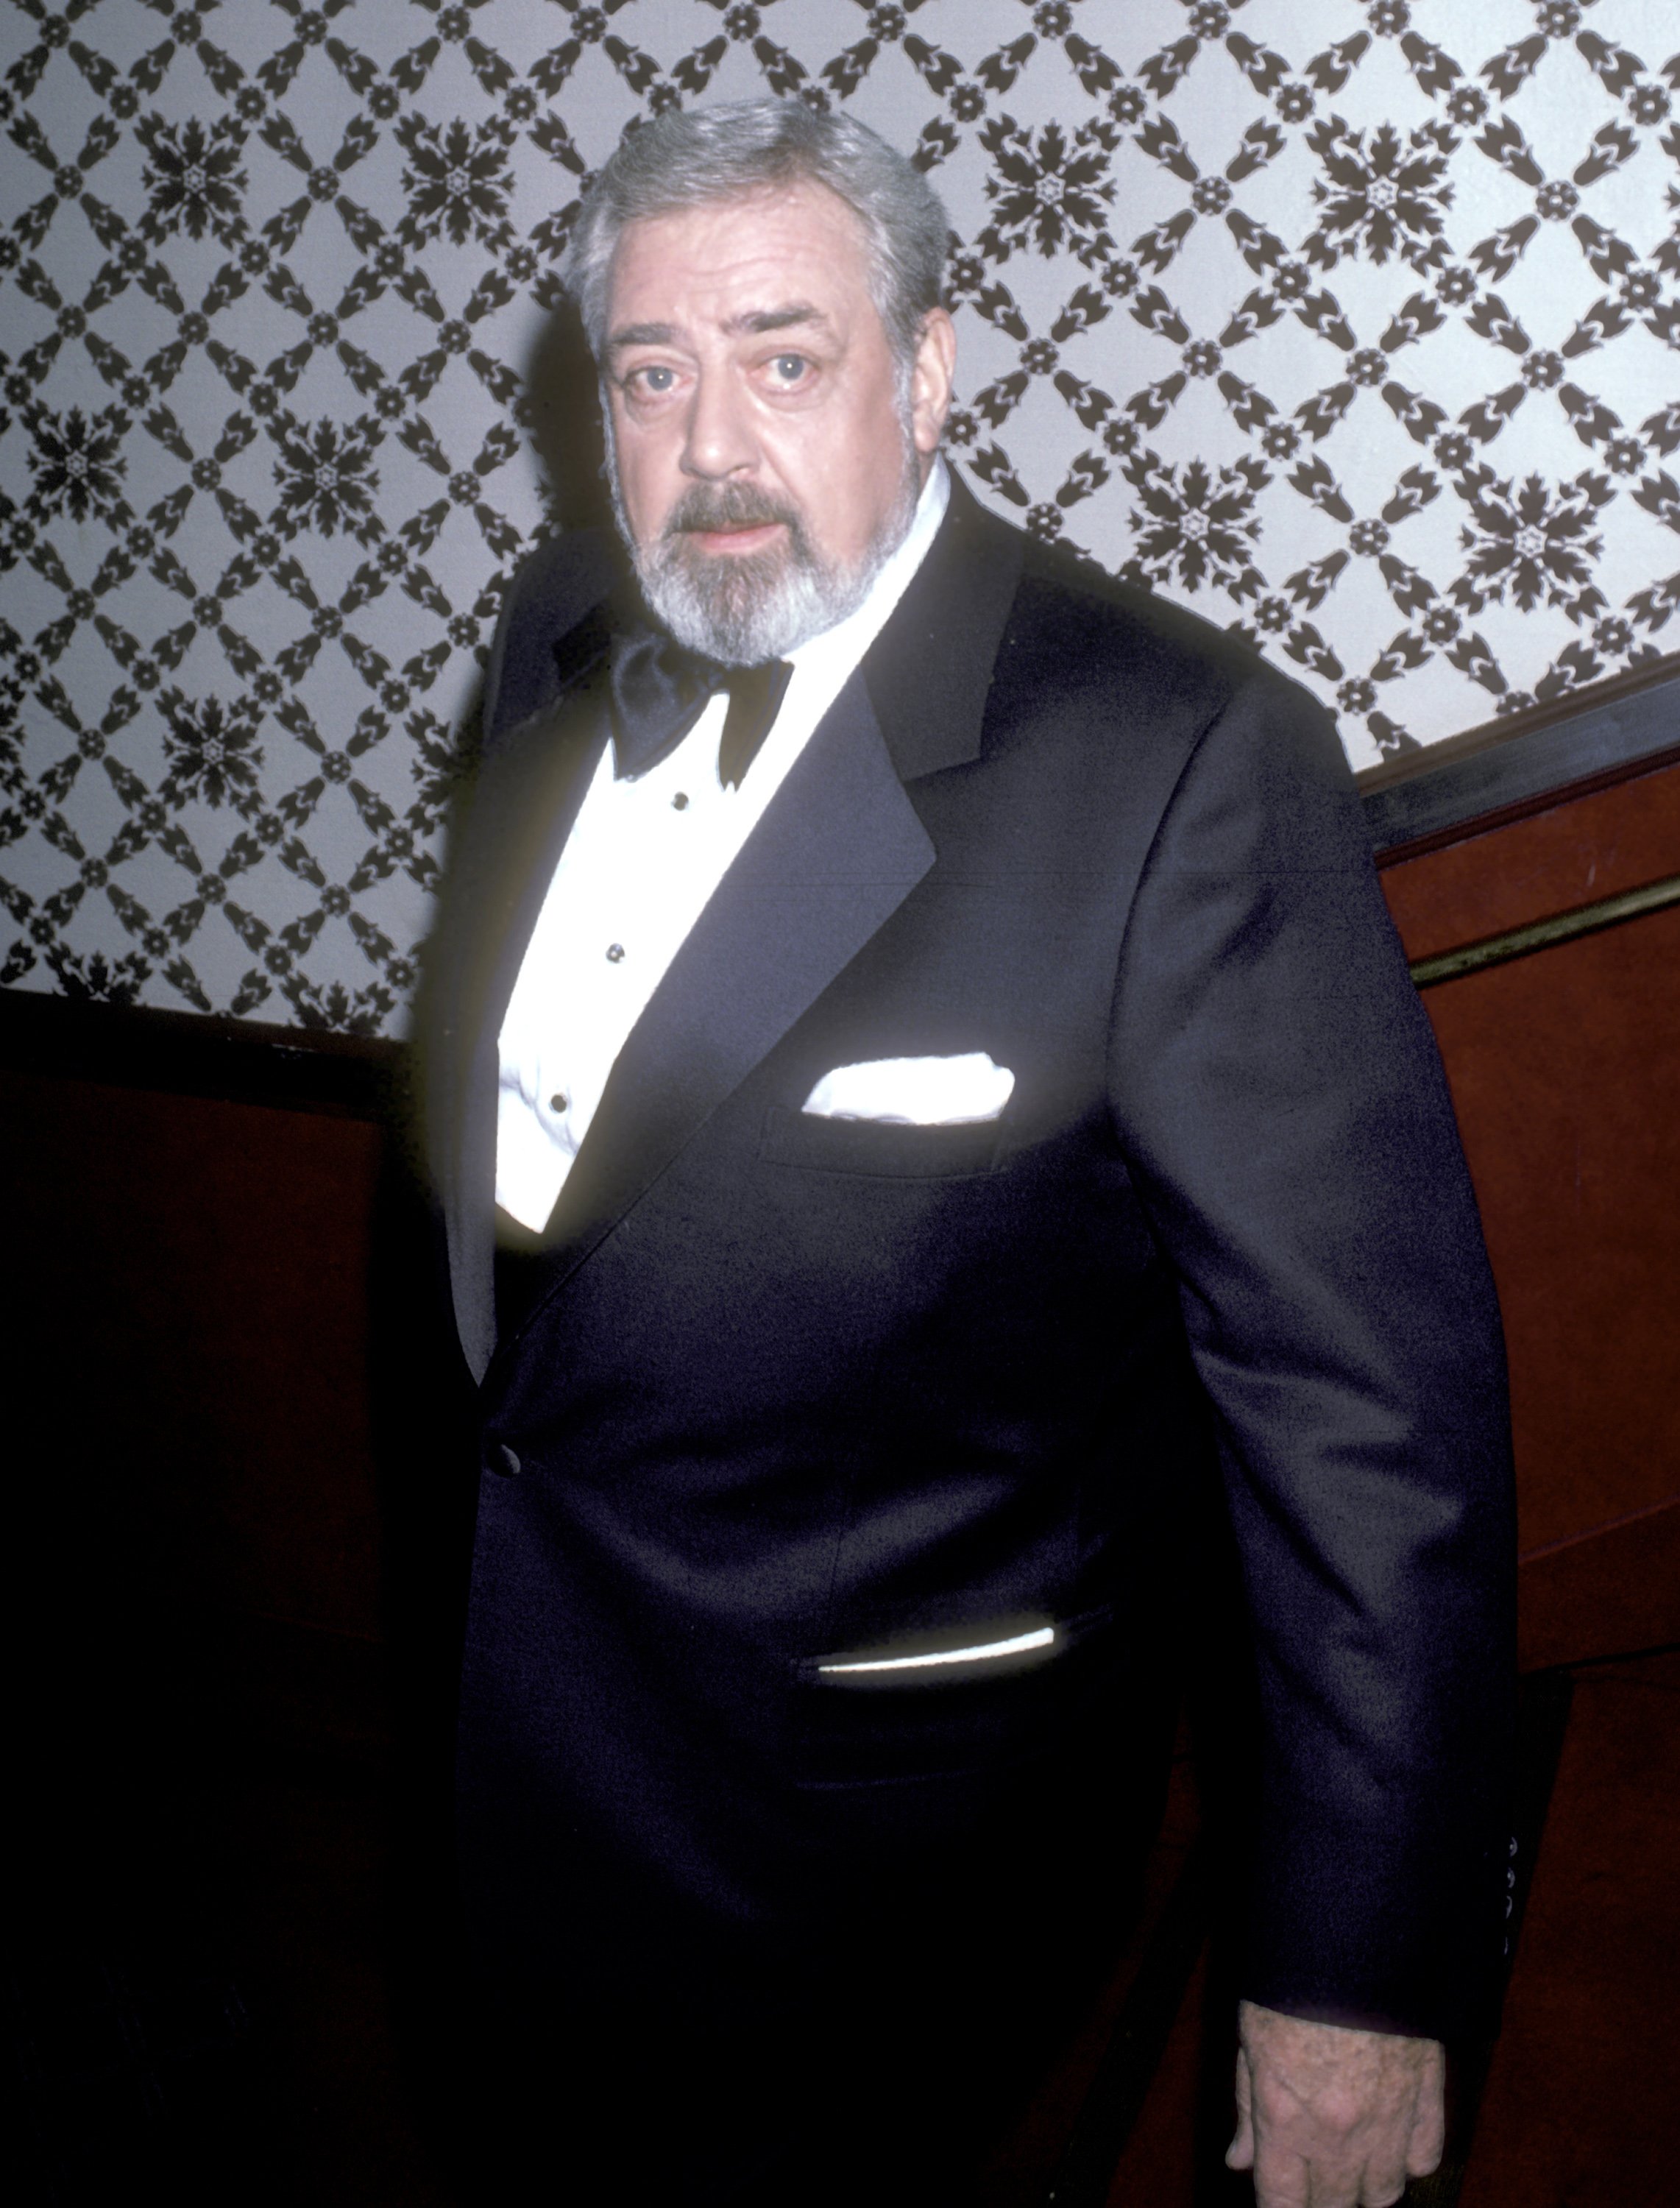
1287	2181
1381	2183
1429	2121
1284	2179
1240	2155
1332	2117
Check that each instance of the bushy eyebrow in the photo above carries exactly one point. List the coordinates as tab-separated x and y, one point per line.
642	333
757	322
766	319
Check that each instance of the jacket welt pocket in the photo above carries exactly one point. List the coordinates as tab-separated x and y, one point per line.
886	1149
869	1723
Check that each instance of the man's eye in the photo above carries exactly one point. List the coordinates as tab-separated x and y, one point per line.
789	367
654	382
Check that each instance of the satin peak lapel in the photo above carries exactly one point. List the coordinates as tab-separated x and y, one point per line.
836	853
929	671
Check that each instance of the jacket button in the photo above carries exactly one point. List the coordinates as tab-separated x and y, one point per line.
505	1461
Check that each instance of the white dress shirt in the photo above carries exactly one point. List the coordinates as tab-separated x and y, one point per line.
644	857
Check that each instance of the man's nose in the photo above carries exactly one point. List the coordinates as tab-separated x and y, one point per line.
720	441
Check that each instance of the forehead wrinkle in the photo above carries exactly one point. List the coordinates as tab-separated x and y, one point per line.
756	321
751	322
635	333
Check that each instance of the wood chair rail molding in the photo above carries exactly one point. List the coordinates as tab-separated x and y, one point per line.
1542	934
1546	930
1523	762
1546	933
1487	778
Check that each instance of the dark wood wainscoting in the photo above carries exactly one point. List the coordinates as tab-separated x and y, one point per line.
1565	1070
239	1533
187	1327
193	1243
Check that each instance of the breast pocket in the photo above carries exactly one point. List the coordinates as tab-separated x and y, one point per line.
883	1149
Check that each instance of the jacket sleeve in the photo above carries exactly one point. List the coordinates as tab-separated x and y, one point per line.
1281	1104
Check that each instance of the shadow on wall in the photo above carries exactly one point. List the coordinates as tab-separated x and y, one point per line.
563	420
565	423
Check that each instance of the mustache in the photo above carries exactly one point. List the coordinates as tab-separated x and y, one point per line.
728	506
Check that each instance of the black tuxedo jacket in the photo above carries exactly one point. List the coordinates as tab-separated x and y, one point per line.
794	1388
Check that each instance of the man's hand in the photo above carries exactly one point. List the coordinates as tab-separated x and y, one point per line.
1332	2118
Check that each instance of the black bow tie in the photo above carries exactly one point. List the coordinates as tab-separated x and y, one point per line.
660	689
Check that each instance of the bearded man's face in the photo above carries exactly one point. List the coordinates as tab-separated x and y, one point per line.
766	452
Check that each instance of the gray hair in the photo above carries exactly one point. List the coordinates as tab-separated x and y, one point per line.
690	158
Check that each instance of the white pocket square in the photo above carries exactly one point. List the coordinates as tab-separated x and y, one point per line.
914	1092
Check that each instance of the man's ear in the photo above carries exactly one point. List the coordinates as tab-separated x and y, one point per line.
931	381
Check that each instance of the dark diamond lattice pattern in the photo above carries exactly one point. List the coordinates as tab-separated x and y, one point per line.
1353	323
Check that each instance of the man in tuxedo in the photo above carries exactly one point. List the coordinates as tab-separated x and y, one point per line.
920	1069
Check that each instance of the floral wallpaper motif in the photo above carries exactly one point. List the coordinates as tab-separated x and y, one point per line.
1352	324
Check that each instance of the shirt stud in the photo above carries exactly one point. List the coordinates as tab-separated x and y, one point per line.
614	953
558	1101
678	803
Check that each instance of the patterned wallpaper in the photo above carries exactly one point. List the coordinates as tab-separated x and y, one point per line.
1351	323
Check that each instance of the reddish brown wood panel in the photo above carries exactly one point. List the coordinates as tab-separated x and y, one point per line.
1569	854
1565	1069
191	1275
188	1337
1620	1582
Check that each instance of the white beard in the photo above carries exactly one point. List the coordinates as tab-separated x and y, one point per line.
744	609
